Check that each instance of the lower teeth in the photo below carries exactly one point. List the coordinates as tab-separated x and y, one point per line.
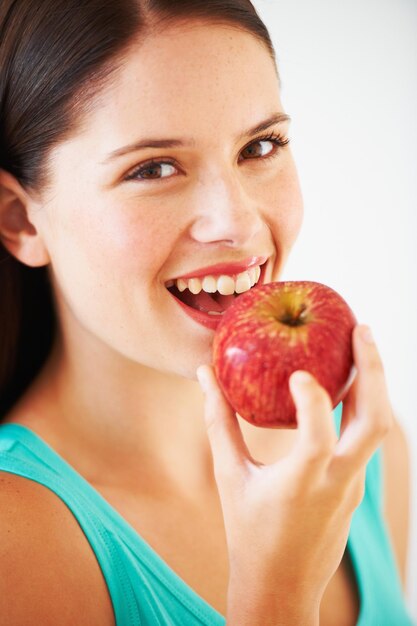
215	312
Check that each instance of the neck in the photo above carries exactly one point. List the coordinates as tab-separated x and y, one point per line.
120	421
123	425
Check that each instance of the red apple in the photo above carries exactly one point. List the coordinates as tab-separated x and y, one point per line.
274	329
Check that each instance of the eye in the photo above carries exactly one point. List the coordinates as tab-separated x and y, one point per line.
277	141
154	170
151	171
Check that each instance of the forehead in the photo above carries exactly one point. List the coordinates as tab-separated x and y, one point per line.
190	79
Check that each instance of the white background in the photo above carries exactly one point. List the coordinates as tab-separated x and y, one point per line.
349	73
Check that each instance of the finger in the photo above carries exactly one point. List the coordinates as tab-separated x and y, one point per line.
368	409
316	429
228	447
349	405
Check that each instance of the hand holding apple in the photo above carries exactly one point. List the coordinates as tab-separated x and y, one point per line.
295	513
273	330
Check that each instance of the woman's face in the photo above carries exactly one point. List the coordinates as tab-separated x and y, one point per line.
115	236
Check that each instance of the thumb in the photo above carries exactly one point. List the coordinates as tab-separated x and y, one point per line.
228	447
316	435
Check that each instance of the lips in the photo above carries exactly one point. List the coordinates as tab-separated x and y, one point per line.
201	316
229	269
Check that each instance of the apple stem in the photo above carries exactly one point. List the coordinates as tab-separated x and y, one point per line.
293	319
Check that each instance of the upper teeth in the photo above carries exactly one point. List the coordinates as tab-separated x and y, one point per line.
224	284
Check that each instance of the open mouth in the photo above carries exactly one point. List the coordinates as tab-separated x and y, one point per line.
205	295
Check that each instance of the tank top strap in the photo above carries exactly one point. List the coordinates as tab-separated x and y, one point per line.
34	463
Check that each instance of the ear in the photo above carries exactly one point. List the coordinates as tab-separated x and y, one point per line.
17	233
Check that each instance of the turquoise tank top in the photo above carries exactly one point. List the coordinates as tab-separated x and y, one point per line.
145	591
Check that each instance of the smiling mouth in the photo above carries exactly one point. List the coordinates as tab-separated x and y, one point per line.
211	303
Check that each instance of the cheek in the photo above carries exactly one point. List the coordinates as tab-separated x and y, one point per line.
114	243
286	201
291	220
104	263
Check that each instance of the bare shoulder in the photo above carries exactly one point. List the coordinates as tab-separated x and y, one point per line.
46	561
396	476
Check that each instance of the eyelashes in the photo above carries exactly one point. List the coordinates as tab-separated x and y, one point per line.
152	166
278	140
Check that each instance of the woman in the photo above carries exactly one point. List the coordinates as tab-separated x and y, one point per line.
144	142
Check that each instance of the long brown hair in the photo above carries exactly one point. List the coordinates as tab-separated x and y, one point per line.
55	57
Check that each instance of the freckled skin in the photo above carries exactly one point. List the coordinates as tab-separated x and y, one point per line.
124	368
114	242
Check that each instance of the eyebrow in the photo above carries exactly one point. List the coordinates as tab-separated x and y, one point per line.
275	118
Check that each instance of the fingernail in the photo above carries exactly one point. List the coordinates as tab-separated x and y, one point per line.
300	377
202	378
366	334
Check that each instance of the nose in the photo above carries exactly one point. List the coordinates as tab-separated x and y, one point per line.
226	213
